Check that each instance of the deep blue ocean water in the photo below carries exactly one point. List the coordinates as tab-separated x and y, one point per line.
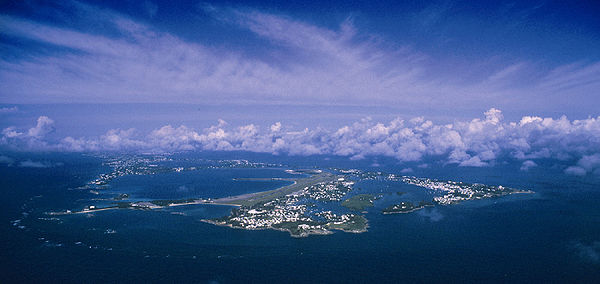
550	236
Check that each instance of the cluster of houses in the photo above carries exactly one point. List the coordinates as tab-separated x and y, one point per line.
288	210
457	191
279	211
328	191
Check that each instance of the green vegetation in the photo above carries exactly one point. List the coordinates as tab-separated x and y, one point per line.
356	224
123	205
295	228
359	202
148	204
406	207
167	202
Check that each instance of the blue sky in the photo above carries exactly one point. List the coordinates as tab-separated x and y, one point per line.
523	56
461	83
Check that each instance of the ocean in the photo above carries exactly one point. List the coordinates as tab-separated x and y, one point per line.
552	235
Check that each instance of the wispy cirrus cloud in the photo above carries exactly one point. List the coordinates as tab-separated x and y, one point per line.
137	62
8	109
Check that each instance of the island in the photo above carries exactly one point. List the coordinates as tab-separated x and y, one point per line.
139	205
285	208
359	202
313	204
405	207
455	192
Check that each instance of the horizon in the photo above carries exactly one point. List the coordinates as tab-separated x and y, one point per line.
482	141
466	84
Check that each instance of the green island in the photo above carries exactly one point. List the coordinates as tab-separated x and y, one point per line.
405	207
359	202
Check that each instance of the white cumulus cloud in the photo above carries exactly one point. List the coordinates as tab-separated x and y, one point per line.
528	165
475	143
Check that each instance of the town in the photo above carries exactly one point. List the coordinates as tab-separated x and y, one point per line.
291	212
455	192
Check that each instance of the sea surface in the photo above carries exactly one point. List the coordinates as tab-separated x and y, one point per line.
552	235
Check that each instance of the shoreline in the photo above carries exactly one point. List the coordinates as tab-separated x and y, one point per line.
308	233
405	212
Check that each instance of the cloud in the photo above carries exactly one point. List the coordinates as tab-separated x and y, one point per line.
183	188
34	138
6	160
130	60
575	170
32	164
9	109
478	142
473	162
276	127
432	214
44	126
528	165
587	164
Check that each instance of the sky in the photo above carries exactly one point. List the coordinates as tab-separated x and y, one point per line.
525	56
468	84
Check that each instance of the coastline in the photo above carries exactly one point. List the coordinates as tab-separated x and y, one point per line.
404	212
304	234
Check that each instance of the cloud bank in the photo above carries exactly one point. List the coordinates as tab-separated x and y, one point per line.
477	143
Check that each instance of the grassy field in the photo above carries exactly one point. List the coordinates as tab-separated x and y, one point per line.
356	224
359	202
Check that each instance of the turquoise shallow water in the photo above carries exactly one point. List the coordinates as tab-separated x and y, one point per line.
551	236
